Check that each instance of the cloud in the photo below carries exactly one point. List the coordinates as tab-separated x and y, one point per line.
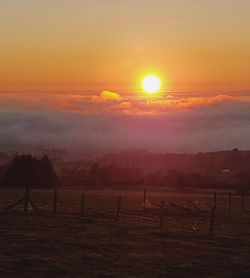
76	121
108	95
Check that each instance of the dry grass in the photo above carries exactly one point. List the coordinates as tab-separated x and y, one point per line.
64	245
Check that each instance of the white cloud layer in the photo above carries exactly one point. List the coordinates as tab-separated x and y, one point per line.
177	123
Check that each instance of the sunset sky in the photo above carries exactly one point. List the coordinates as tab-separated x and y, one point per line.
194	45
71	71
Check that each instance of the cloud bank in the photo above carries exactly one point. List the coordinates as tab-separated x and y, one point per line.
112	122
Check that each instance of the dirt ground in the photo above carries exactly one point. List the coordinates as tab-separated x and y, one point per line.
66	246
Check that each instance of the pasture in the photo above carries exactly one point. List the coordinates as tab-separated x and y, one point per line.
64	244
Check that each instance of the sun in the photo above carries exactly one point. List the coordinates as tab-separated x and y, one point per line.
151	84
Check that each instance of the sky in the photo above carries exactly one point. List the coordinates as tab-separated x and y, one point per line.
70	74
89	44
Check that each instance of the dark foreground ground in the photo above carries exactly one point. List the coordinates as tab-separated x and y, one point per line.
65	246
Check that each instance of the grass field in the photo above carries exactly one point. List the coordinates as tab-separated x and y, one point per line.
106	199
65	245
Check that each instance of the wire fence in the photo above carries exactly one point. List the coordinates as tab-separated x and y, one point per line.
220	214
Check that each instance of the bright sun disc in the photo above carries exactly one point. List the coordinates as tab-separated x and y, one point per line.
151	84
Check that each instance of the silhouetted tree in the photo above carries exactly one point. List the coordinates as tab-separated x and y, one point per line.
46	173
28	171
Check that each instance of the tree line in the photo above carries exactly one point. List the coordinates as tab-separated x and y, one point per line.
27	170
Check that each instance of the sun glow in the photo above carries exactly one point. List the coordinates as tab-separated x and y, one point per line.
151	84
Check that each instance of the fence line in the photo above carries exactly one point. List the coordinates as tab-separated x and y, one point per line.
156	215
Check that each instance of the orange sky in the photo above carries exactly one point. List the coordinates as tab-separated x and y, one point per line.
193	45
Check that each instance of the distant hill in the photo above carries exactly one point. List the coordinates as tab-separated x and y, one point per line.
234	160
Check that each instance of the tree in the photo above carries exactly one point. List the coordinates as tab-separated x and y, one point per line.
30	172
48	176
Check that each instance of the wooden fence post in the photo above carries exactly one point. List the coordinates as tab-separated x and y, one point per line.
118	209
55	201
229	201
82	205
211	227
144	197
215	200
242	201
26	199
161	214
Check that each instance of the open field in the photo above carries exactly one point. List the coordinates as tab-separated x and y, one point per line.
66	245
106	199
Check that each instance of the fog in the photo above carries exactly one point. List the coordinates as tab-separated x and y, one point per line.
89	122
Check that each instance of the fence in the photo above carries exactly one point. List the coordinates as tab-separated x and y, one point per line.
214	214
